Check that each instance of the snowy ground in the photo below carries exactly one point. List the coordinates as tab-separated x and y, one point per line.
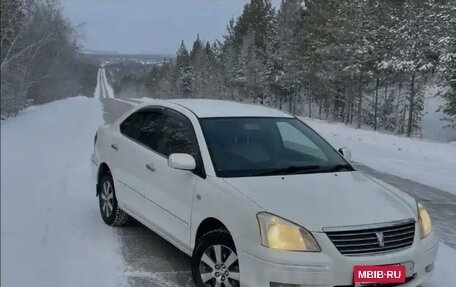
445	268
427	162
51	231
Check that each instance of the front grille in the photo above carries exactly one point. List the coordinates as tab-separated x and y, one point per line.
368	239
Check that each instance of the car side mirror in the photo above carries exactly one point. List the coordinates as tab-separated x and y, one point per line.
181	161
346	152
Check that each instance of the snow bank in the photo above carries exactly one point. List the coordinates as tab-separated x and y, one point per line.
51	231
427	162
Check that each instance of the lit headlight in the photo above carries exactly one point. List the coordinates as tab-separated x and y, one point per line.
425	221
277	233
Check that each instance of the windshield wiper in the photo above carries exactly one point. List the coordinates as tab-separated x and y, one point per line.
341	167
291	170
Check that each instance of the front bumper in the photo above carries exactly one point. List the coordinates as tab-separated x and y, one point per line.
260	266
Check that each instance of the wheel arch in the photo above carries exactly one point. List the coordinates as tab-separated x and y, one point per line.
207	225
102	170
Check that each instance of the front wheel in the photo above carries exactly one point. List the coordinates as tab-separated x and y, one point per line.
215	262
110	211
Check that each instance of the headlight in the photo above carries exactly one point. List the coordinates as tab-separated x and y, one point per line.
425	221
277	233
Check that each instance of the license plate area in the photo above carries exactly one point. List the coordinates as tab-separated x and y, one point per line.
409	271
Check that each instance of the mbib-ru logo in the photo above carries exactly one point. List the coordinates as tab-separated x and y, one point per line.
379	274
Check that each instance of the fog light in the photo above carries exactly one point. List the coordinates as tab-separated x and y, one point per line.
274	284
429	267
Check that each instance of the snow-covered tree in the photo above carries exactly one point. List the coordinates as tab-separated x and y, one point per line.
356	61
184	72
414	54
447	59
40	59
289	60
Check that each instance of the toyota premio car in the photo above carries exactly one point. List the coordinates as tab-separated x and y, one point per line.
255	196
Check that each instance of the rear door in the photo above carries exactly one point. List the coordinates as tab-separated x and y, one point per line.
138	135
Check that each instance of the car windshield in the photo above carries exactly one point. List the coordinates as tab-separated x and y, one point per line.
257	146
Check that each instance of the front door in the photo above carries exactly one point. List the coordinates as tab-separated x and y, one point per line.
171	189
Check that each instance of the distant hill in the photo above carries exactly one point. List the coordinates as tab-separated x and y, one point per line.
114	57
98	52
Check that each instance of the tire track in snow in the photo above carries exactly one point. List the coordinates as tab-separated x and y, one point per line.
103	83
101	90
162	279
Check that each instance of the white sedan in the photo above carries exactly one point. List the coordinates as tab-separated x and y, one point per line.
255	196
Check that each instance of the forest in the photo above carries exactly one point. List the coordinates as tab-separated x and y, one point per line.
361	62
40	56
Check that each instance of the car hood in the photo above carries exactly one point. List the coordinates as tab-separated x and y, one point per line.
315	201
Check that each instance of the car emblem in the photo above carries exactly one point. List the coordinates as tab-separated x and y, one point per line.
380	239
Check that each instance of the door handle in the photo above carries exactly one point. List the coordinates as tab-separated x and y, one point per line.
115	146
150	166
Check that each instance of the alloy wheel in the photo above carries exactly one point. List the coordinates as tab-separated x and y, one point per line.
219	267
107	199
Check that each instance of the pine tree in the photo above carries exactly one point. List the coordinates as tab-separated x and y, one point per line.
199	65
184	72
414	52
290	64
229	59
196	49
447	59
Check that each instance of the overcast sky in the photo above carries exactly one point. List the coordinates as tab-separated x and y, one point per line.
154	26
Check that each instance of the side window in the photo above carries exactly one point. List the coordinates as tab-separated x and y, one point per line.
142	126
130	126
177	136
149	129
295	140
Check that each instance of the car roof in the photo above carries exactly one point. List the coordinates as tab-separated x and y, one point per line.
205	108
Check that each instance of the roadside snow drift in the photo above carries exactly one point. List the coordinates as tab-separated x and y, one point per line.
427	162
51	231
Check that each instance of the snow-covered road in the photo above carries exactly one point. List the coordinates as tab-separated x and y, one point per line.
103	90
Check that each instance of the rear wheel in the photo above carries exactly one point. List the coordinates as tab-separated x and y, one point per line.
215	262
110	211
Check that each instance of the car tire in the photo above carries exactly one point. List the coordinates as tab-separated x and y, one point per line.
110	211
215	260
